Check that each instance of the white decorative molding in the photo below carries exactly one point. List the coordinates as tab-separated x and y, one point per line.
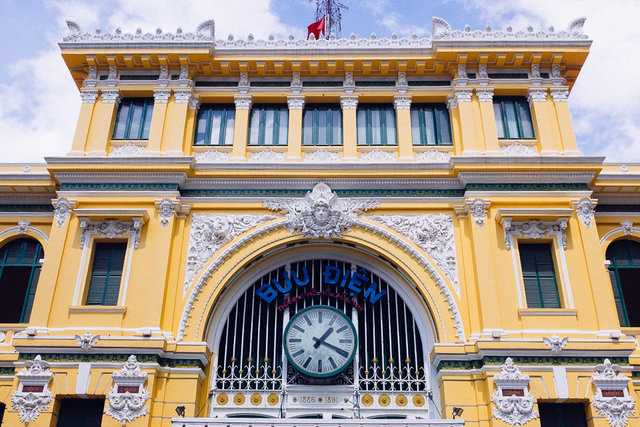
267	155
402	102
167	209
441	30
627	227
62	210
321	214
534	229
161	96
485	94
128	149
163	78
296	83
349	84
112	78
559	95
478	209
212	155
322	155
585	208
295	102
378	155
194	101
209	232
516	148
204	32
87	340
182	96
536	78
243	83
461	79
432	233
92	78
128	396
556	76
555	343
33	395
463	95
483	75
111	96
452	102
349	102
514	402
23	226
243	102
351	43
433	155
612	398
402	85
536	94
89	96
110	228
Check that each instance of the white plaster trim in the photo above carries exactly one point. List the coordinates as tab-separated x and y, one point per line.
618	230
16	230
560	382
82	380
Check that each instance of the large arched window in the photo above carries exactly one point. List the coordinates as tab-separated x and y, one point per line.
624	269
390	372
19	272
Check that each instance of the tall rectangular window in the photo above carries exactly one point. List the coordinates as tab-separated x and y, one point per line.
376	124
322	124
269	124
540	285
430	124
134	119
513	118
214	125
106	273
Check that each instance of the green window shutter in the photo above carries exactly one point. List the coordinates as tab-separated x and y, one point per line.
540	285
322	124
376	124
106	273
19	274
133	120
269	124
624	271
430	124
215	125
513	117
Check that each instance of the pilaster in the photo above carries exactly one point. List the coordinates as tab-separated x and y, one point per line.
296	107
460	101
560	96
349	105
537	98
488	118
160	102
241	127
402	104
173	140
104	114
89	97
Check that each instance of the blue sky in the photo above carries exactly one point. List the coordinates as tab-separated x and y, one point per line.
40	102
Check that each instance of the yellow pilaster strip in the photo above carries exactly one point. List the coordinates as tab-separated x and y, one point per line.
349	127
176	123
540	116
296	107
81	136
241	127
560	98
156	132
402	104
101	125
461	100
488	118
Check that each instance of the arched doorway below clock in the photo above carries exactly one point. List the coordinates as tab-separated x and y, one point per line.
326	330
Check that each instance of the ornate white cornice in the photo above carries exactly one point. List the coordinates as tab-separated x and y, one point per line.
349	102
243	102
205	31
128	396
536	94
534	229
295	102
402	102
514	402
110	228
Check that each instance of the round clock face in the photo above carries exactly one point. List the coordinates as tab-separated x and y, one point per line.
320	341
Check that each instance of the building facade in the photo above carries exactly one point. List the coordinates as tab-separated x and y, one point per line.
395	231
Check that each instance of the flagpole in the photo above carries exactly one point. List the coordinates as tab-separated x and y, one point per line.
326	33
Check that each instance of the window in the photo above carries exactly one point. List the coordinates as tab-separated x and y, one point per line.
106	273
76	412
562	415
134	119
269	125
19	272
214	125
540	286
322	124
513	118
376	124
430	124
624	271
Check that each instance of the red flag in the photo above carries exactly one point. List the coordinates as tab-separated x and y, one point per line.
316	28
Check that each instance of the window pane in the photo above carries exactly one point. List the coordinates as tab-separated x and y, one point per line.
337	126
497	110
541	288
201	127
512	123
525	119
254	130
375	126
231	119
415	126
322	126
307	127
444	126
146	127
283	123
136	122
216	119
361	119
121	121
106	273
390	123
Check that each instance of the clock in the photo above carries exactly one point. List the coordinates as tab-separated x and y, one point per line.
320	341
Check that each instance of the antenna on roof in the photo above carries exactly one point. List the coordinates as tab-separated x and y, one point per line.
332	11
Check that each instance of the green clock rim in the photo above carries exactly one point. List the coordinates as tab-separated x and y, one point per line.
304	371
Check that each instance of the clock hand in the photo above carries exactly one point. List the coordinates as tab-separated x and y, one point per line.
338	350
322	338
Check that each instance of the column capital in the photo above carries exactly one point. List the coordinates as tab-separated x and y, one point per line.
243	102
295	102
111	96
559	94
349	102
484	94
194	102
459	95
89	96
161	95
402	102
183	96
536	94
